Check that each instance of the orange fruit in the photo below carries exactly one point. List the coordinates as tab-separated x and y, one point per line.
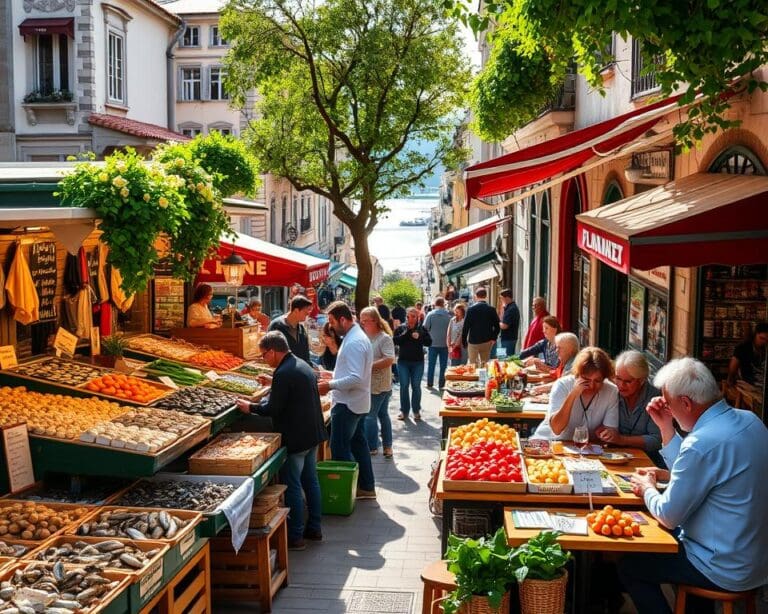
605	530
591	517
636	529
628	532
621	522
610	520
608	508
617	530
596	528
617	514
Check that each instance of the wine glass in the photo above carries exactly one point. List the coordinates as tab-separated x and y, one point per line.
581	437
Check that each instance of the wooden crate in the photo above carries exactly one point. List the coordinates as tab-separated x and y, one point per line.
269	498
200	464
248	575
189	591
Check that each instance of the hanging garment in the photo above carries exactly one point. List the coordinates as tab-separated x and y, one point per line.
102	273
82	262
84	318
2	288
22	294
119	298
72	279
68	313
105	319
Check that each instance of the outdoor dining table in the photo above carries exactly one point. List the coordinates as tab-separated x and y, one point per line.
455	499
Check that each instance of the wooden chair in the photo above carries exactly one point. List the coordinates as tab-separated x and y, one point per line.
438	581
724	597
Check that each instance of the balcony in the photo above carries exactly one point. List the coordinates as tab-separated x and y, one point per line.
565	98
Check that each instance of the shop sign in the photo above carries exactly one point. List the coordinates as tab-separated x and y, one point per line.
317	275
252	267
659	276
608	249
18	458
7	357
64	342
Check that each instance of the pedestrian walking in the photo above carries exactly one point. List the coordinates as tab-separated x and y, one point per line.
509	322
350	387
294	406
436	324
411	338
481	327
380	336
456	351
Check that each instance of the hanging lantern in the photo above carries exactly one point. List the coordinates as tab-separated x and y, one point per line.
233	267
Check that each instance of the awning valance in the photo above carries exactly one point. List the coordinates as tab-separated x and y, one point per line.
267	264
482	275
54	25
470	263
697	220
528	166
464	235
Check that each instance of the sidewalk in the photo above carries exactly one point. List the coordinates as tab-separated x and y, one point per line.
370	561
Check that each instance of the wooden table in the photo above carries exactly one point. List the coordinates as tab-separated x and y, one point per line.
455	377
524	422
453	499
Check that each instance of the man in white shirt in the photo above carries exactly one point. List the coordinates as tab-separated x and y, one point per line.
350	387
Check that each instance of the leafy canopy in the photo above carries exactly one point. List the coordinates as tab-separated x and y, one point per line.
703	46
402	292
343	87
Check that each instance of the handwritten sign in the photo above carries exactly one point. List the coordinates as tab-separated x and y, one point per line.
587	482
95	341
152	579
42	267
65	342
7	357
186	544
164	379
18	457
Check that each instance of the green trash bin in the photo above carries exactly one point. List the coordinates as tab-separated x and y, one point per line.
338	485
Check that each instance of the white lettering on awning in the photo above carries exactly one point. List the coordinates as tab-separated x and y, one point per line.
610	250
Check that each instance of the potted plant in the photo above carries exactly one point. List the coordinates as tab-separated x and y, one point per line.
484	573
112	349
539	566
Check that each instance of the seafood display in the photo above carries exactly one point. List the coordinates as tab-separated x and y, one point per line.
254	368
126	387
59	371
92	491
237	384
200	400
166	348
216	359
53	589
196	496
142	430
54	415
133	524
13	550
465	389
34	521
108	553
179	374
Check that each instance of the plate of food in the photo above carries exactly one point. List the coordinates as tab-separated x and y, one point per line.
465	389
615	458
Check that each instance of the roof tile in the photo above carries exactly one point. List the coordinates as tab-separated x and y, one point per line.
135	127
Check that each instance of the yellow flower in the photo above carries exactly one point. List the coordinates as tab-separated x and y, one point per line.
146	198
124	192
103	177
200	186
163	202
120	165
119	182
179	162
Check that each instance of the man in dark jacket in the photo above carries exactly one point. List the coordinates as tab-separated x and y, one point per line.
481	327
294	406
509	316
292	327
411	338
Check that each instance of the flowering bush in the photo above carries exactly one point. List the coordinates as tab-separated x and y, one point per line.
232	166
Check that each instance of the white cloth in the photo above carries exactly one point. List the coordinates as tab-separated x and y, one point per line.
383	347
198	315
351	383
603	411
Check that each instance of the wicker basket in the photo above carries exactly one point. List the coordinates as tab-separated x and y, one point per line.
469	522
478	604
543	596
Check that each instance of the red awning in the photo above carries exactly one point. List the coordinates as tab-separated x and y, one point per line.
697	220
565	153
57	25
268	264
466	234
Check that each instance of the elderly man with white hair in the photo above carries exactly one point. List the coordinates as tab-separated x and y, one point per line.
717	493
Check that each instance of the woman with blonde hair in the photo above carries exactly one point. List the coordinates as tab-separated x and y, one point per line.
380	335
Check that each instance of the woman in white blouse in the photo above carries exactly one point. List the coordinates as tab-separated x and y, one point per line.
198	314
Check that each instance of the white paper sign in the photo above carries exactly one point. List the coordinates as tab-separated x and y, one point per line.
65	342
587	481
95	341
18	457
164	379
152	579
7	357
213	376
186	543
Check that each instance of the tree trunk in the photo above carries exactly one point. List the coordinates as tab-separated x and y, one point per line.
364	268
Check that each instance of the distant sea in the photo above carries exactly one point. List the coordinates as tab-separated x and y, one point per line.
402	247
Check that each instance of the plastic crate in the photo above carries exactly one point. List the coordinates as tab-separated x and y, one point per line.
338	486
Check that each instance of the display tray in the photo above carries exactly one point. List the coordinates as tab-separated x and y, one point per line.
258	391
253	368
41	361
165	391
113	602
182	345
548	489
201	463
39	492
479	486
73	456
476	391
33	544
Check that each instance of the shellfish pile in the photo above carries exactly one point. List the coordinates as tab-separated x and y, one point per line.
109	553
196	496
133	524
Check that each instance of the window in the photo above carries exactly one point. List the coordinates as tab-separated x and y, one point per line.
217	75
190	83
643	77
52	63
306	216
191	37
115	67
245	225
221	128
191	132
216	38
737	161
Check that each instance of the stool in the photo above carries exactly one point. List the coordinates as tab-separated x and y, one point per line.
437	582
725	597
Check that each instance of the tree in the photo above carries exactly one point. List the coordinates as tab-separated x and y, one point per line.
402	292
704	46
344	86
391	276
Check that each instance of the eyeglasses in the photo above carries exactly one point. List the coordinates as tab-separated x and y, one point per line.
626	382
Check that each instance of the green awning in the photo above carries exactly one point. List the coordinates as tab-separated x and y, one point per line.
348	278
460	267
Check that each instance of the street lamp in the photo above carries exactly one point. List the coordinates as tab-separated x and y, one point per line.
233	267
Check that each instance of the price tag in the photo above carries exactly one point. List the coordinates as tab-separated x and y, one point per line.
95	341
18	457
164	379
213	376
501	352
7	357
152	579
65	342
186	543
587	482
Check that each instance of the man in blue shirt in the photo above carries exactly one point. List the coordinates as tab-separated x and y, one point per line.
717	493
509	316
436	324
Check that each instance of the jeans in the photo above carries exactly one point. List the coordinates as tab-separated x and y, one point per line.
348	442
410	377
643	574
433	354
299	473
379	414
508	345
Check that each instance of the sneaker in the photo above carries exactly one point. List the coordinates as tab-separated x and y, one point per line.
374	452
365	494
430	386
388	453
313	534
297	544
417	417
401	416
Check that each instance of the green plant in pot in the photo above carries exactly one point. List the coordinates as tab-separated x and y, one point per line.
112	349
540	568
484	573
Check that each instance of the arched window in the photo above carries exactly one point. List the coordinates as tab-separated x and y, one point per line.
737	160
613	193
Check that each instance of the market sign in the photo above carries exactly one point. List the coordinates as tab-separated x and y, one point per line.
607	248
659	276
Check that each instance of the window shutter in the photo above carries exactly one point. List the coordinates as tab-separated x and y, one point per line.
205	82
179	80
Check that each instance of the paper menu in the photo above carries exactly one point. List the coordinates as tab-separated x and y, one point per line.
540	519
18	457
